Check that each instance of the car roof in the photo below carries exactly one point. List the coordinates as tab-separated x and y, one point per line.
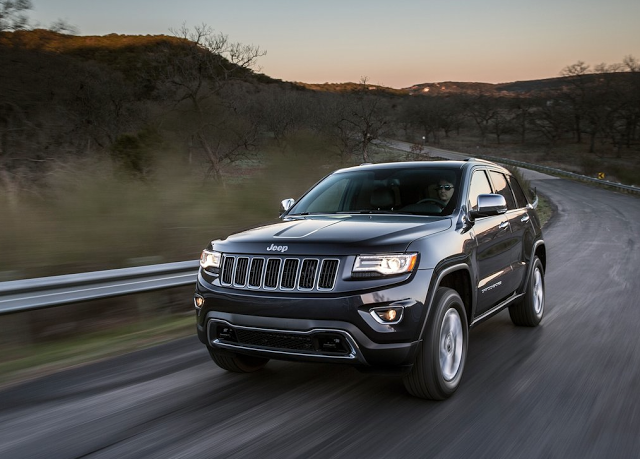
433	165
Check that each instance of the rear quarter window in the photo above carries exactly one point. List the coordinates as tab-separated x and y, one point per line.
521	199
502	187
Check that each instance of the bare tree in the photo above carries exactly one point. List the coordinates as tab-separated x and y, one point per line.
364	119
195	76
451	115
501	123
206	61
602	101
482	109
550	121
423	114
576	93
523	107
227	132
433	115
282	111
101	105
12	14
62	26
329	113
631	63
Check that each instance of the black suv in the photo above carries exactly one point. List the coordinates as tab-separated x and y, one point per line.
382	266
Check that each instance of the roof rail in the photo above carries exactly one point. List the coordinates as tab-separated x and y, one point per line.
479	160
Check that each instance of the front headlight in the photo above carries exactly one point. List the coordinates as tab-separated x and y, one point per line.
385	265
210	259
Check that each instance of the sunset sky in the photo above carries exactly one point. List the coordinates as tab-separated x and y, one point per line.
393	43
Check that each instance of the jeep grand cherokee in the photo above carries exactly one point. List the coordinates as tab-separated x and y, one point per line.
371	267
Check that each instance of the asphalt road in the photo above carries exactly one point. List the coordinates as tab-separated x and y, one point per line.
568	388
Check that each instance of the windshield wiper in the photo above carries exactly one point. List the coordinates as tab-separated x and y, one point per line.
304	214
371	211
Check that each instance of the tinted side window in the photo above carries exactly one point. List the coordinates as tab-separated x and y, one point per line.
521	199
503	188
479	185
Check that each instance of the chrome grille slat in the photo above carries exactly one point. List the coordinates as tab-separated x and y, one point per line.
279	273
326	280
240	274
227	270
256	273
289	274
272	276
308	274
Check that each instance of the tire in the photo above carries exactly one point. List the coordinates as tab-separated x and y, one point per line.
529	310
437	370
237	363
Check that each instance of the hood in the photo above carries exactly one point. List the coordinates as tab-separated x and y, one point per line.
334	235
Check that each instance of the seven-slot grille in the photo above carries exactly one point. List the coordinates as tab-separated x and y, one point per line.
255	272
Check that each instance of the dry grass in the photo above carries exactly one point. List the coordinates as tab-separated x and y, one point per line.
90	217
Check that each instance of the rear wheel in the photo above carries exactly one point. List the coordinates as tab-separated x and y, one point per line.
438	368
529	310
237	363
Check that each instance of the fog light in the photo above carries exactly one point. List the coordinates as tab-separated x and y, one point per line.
388	315
198	301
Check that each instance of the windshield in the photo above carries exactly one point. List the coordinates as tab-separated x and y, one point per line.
413	191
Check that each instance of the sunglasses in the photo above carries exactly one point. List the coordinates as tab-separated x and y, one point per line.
444	187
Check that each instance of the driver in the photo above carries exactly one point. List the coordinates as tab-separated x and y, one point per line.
445	190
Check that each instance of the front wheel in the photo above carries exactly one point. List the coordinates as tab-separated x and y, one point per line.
438	368
237	363
528	311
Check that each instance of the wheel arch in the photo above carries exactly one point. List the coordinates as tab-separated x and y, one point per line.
460	281
538	250
456	277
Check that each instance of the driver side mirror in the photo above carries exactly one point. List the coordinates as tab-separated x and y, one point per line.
286	204
489	205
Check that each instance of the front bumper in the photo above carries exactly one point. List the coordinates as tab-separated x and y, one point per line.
335	328
360	350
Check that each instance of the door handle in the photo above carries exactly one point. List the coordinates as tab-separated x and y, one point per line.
503	225
525	219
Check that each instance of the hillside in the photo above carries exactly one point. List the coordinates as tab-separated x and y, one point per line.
127	54
516	88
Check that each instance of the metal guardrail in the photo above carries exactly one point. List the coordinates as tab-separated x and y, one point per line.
27	294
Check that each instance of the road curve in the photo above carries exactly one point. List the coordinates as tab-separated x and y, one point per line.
568	388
